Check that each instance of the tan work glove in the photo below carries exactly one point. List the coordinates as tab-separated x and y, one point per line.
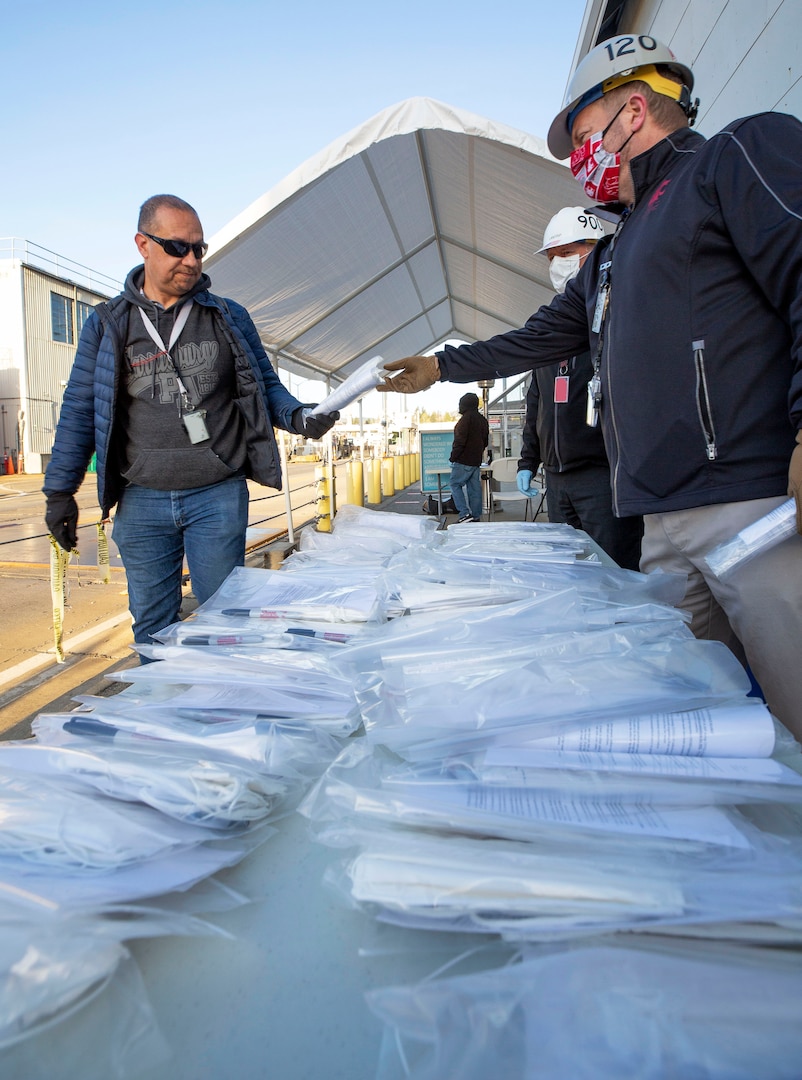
416	373
795	479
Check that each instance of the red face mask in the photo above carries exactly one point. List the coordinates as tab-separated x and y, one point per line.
598	170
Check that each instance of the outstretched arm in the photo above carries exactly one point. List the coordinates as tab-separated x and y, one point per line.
555	332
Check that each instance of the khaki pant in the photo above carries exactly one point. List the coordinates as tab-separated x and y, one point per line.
758	606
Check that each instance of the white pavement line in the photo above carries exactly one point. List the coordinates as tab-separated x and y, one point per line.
33	663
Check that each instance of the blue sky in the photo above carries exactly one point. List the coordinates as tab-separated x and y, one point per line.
106	104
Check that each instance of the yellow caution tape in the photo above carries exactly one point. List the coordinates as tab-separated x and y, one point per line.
59	561
103	564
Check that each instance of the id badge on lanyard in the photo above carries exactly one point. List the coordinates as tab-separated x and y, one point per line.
594	401
597	325
601	307
561	386
193	419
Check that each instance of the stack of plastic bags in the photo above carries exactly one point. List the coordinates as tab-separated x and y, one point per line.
89	848
565	846
551	767
543	753
119	814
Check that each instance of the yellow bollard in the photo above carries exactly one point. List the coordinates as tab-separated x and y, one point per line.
404	471
416	458
398	472
388	472
373	480
323	522
353	483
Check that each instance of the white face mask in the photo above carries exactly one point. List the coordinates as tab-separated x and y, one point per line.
562	268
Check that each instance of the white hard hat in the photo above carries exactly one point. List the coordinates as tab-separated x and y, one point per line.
612	63
569	226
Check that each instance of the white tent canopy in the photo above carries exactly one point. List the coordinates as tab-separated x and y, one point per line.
418	226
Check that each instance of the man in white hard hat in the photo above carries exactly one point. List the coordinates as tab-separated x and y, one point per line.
574	460
693	312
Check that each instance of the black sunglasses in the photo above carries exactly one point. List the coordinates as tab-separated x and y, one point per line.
179	249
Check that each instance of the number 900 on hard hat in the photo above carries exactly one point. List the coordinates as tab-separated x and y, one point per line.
612	63
571	225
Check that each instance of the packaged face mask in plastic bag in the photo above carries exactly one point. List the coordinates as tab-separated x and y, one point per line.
360	520
216	794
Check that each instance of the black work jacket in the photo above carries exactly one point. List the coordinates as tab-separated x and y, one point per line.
701	363
471	433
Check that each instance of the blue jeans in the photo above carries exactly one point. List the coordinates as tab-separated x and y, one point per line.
466	489
155	529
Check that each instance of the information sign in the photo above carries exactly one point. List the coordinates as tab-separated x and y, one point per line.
435	450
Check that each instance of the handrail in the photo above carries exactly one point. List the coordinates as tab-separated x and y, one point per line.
14	247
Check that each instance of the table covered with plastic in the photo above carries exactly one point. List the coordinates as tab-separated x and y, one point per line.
422	803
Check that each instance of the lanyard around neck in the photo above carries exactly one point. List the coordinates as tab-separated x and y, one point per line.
178	325
603	296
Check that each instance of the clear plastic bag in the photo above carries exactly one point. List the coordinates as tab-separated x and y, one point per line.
753	540
214	793
59	976
597	585
66	991
558	885
239	637
261	595
281	747
601	1011
371	546
48	821
351	520
433	703
57	887
227	685
404	595
366	377
740	729
467	796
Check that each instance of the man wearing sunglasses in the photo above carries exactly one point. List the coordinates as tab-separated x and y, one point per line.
173	391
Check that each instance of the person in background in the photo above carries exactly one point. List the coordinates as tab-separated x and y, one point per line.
574	460
173	390
471	435
693	316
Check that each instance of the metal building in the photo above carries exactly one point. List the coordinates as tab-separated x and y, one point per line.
45	300
745	56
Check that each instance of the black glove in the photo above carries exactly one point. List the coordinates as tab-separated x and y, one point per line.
61	517
314	427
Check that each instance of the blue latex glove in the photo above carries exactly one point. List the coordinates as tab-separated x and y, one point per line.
524	479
